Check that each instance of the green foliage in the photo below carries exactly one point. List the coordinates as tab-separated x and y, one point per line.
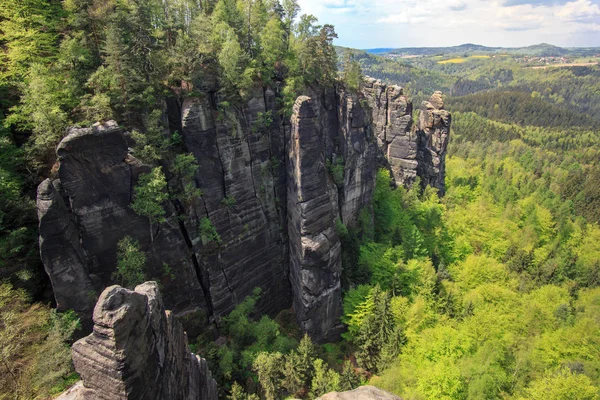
518	107
325	380
336	168
263	122
18	223
185	167
268	367
130	263
35	355
352	75
208	232
43	111
229	201
563	385
506	306
150	194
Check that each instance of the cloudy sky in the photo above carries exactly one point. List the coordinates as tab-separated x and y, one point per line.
411	23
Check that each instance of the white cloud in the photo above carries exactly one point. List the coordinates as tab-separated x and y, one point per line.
580	10
408	23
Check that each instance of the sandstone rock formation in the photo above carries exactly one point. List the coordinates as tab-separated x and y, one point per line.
433	131
271	188
85	213
361	393
138	350
316	200
392	125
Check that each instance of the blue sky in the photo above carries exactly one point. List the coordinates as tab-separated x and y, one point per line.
414	23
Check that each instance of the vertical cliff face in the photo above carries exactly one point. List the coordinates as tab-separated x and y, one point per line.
331	174
433	133
392	125
138	350
271	188
315	248
240	153
85	213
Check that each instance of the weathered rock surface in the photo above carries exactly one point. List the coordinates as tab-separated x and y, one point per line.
361	393
240	153
328	131
272	190
392	124
315	248
433	131
85	213
138	350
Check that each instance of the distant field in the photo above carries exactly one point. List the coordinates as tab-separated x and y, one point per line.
460	60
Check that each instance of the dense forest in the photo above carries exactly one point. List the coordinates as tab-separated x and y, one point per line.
489	292
76	62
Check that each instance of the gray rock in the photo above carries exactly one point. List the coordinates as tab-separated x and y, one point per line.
361	393
315	248
433	132
138	350
392	123
81	226
241	160
268	188
62	254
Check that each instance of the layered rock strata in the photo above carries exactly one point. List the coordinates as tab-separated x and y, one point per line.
392	125
433	132
270	191
86	211
331	175
137	350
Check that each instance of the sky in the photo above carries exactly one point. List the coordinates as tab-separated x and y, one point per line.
366	24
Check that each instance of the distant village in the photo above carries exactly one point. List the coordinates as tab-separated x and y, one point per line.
542	60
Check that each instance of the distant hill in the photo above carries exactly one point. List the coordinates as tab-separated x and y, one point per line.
539	50
431	51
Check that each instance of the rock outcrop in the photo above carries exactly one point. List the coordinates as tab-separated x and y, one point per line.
392	125
138	350
270	193
361	393
241	159
433	132
331	174
86	211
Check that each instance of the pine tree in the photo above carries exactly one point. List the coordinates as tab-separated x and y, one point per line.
150	194
325	379
293	379
268	368
307	352
349	379
352	72
273	46
130	263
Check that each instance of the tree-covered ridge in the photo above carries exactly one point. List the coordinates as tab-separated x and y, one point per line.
573	88
95	60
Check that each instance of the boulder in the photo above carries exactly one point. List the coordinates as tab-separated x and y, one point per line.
361	393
